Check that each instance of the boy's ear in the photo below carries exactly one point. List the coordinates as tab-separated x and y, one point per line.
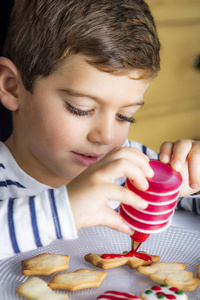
9	84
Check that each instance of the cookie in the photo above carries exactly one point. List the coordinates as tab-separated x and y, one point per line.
35	288
172	274
45	264
163	292
115	295
198	271
133	262
77	280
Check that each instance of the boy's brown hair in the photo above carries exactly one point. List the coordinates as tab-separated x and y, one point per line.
116	35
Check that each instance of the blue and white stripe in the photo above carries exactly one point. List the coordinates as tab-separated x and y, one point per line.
11	225
35	221
55	214
9	182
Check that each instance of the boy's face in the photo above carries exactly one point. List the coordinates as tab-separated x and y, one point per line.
73	118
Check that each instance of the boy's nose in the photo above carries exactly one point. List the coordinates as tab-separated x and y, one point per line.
102	132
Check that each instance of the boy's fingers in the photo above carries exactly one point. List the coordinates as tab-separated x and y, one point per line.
194	166
181	149
131	156
175	153
125	196
113	220
118	168
183	152
165	152
129	153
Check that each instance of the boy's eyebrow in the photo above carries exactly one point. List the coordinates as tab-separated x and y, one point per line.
77	94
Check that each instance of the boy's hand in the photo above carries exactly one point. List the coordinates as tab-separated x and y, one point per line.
184	157
91	190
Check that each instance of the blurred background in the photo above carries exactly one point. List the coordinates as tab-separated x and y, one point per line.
5	116
5	9
172	102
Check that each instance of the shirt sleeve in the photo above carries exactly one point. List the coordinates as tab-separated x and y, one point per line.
190	203
30	222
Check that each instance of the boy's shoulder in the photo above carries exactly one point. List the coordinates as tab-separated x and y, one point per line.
13	180
7	161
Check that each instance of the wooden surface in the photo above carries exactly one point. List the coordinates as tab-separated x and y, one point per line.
172	102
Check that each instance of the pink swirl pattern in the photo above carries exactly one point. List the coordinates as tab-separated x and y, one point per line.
115	295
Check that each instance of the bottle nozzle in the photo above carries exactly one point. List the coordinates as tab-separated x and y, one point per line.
138	238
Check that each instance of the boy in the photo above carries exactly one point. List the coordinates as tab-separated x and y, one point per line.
73	75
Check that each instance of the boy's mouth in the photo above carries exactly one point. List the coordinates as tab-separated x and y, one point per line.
86	159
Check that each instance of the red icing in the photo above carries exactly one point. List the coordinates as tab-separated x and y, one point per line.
135	249
174	289
156	288
132	253
117	295
139	255
142	256
166	295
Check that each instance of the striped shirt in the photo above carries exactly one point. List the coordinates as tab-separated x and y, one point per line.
33	215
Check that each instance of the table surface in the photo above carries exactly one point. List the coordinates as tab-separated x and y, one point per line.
170	244
187	220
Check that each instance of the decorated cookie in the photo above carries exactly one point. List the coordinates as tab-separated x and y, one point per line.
114	295
164	292
172	274
99	261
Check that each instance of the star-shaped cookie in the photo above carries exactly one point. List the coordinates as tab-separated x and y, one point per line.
173	274
77	280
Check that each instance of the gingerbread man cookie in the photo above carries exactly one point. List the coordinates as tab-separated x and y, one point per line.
133	262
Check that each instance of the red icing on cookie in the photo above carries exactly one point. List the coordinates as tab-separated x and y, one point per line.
139	255
156	288
174	289
163	292
166	295
114	295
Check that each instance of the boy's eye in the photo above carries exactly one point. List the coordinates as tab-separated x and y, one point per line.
127	119
78	112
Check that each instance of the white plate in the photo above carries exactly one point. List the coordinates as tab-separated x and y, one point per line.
172	245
